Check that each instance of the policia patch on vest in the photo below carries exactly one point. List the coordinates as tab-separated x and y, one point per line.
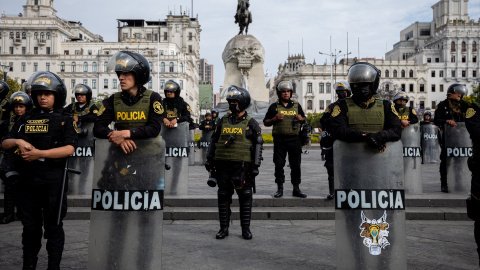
36	126
336	111
394	111
157	107
470	112
102	109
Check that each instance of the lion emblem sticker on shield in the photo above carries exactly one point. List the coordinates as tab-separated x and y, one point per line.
375	233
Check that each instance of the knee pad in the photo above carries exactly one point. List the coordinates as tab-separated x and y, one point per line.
224	196
245	192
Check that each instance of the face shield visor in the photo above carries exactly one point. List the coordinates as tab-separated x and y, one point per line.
121	62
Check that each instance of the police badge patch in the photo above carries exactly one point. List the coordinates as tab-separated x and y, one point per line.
470	112
95	111
393	110
157	107
100	112
188	108
414	112
336	111
375	233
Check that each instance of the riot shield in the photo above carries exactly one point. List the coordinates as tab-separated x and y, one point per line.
458	146
412	159
127	206
82	160
203	144
191	145
176	153
369	207
430	144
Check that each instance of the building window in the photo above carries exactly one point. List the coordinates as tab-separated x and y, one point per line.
85	82
73	83
474	59
322	105
77	52
66	52
151	66
11	50
387	87
411	87
403	87
94	67
74	67
24	50
441	87
35	50
329	90
150	84
387	73
24	66
464	73
190	49
181	84
464	58
452	58
171	67
0	35
12	35
403	73
452	46
440	74
89	52
35	67
105	66
309	87
62	67
395	73
410	74
161	52
309	105
114	83
149	36
47	66
434	104
474	73
181	67
162	67
422	88
429	60
105	83
48	50
433	87
320	87
437	60
94	84
162	84
474	46
190	36
464	46
422	105
85	67
172	52
165	35
48	35
453	73
433	73
17	35
36	4
24	35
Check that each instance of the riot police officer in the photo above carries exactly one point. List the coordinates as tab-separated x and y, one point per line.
176	109
136	111
5	107
235	155
426	119
215	116
21	103
406	114
448	112
286	116
472	122
84	110
207	124
45	137
362	117
343	90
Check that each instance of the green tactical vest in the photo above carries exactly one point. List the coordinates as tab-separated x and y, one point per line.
128	117
365	120
240	149
405	115
285	126
76	113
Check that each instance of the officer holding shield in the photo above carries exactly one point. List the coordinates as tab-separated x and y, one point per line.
176	109
84	110
448	112
406	114
207	124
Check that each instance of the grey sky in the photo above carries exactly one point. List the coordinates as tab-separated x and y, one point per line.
275	23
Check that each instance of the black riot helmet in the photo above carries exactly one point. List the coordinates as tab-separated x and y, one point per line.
27	88
363	72
215	111
4	89
82	89
457	88
284	86
342	86
48	81
172	86
125	61
427	113
208	114
240	94
21	98
401	96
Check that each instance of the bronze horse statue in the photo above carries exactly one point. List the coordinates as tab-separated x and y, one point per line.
243	16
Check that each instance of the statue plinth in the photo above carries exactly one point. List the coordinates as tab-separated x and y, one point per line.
243	57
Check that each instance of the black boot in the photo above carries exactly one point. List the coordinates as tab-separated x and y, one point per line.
245	198
331	191
444	185
54	261
9	205
297	192
279	192
224	213
29	262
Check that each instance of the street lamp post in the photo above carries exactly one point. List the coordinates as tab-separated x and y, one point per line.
5	69
333	69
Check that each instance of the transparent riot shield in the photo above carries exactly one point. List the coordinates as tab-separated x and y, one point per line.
191	145
430	144
127	206
369	207
203	144
412	159
82	160
458	147
176	152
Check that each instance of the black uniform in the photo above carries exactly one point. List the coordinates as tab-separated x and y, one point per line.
411	115
283	144
327	144
472	123
41	179
89	116
106	115
392	130
207	125
176	108
443	113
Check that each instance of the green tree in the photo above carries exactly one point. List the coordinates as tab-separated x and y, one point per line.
12	84
313	119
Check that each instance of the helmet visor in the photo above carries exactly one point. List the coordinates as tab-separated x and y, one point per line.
121	62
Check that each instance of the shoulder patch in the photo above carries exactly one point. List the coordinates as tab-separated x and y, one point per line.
157	107
394	111
336	111
95	111
470	112
188	108
100	112
414	112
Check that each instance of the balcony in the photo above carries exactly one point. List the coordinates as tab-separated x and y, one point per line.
42	42
17	42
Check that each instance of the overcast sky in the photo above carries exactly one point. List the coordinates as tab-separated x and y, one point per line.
276	23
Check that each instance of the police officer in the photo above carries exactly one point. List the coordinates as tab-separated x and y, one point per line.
343	90
84	110
406	114
286	116
235	154
362	117
472	123
215	117
21	103
136	111
176	109
4	104
426	119
448	112
207	124
45	137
